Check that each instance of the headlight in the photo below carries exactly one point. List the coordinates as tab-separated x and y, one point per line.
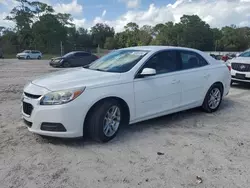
61	97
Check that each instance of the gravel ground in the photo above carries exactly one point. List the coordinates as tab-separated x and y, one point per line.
168	152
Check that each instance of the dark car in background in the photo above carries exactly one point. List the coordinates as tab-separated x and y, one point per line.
73	59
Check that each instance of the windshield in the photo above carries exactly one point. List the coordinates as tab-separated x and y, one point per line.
245	54
26	51
118	61
68	54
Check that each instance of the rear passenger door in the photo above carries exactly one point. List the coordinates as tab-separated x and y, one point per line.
82	58
194	77
33	54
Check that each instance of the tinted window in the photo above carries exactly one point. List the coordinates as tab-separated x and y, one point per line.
245	54
69	54
82	54
191	60
163	62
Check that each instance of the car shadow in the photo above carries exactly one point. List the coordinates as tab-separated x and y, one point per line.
171	121
245	86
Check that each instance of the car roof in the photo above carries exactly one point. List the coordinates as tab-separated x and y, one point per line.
79	51
153	49
157	48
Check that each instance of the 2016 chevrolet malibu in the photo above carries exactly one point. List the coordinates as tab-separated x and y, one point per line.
124	87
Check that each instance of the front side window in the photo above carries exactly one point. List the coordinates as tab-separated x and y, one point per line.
82	54
191	60
118	61
163	62
69	54
245	54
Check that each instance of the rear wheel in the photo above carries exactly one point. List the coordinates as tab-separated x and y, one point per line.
213	98
28	57
105	121
39	57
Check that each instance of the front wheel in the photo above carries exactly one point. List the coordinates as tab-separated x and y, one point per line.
28	57
213	99
66	64
105	120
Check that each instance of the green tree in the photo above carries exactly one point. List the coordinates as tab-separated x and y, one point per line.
110	43
100	32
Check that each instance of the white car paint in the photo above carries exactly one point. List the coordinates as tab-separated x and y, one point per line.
146	97
30	54
240	65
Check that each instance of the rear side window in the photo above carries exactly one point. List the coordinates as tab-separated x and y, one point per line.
190	60
82	54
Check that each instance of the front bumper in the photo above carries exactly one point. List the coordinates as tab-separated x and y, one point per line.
71	116
240	79
21	57
55	63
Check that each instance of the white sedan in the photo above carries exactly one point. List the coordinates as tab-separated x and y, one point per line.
124	87
29	54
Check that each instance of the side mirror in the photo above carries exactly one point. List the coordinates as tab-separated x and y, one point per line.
148	72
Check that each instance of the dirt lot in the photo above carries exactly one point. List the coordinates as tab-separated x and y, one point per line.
215	147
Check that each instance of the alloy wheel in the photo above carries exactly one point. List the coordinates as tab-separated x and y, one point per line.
112	121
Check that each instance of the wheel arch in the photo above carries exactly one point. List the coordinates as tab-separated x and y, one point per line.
123	103
219	84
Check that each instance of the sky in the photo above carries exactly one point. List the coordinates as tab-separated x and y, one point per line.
117	13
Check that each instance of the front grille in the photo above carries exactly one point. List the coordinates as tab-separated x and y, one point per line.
241	67
241	78
31	95
27	108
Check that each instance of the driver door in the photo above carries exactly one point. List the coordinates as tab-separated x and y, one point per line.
158	93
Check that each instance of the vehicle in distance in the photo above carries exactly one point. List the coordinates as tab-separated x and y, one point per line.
240	67
73	59
29	54
123	87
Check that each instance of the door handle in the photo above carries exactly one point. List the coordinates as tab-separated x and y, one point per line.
175	81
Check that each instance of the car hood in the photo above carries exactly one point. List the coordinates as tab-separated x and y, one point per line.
56	58
22	54
76	77
245	60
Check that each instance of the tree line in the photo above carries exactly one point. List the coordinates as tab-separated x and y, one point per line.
38	26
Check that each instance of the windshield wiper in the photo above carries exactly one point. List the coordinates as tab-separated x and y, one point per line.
99	70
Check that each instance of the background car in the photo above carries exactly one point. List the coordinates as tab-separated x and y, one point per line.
240	67
123	87
29	54
73	59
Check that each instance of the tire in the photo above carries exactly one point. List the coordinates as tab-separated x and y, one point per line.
208	105
39	57
66	64
97	122
28	57
231	83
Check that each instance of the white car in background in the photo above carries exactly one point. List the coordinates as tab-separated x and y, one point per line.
29	54
123	87
240	67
